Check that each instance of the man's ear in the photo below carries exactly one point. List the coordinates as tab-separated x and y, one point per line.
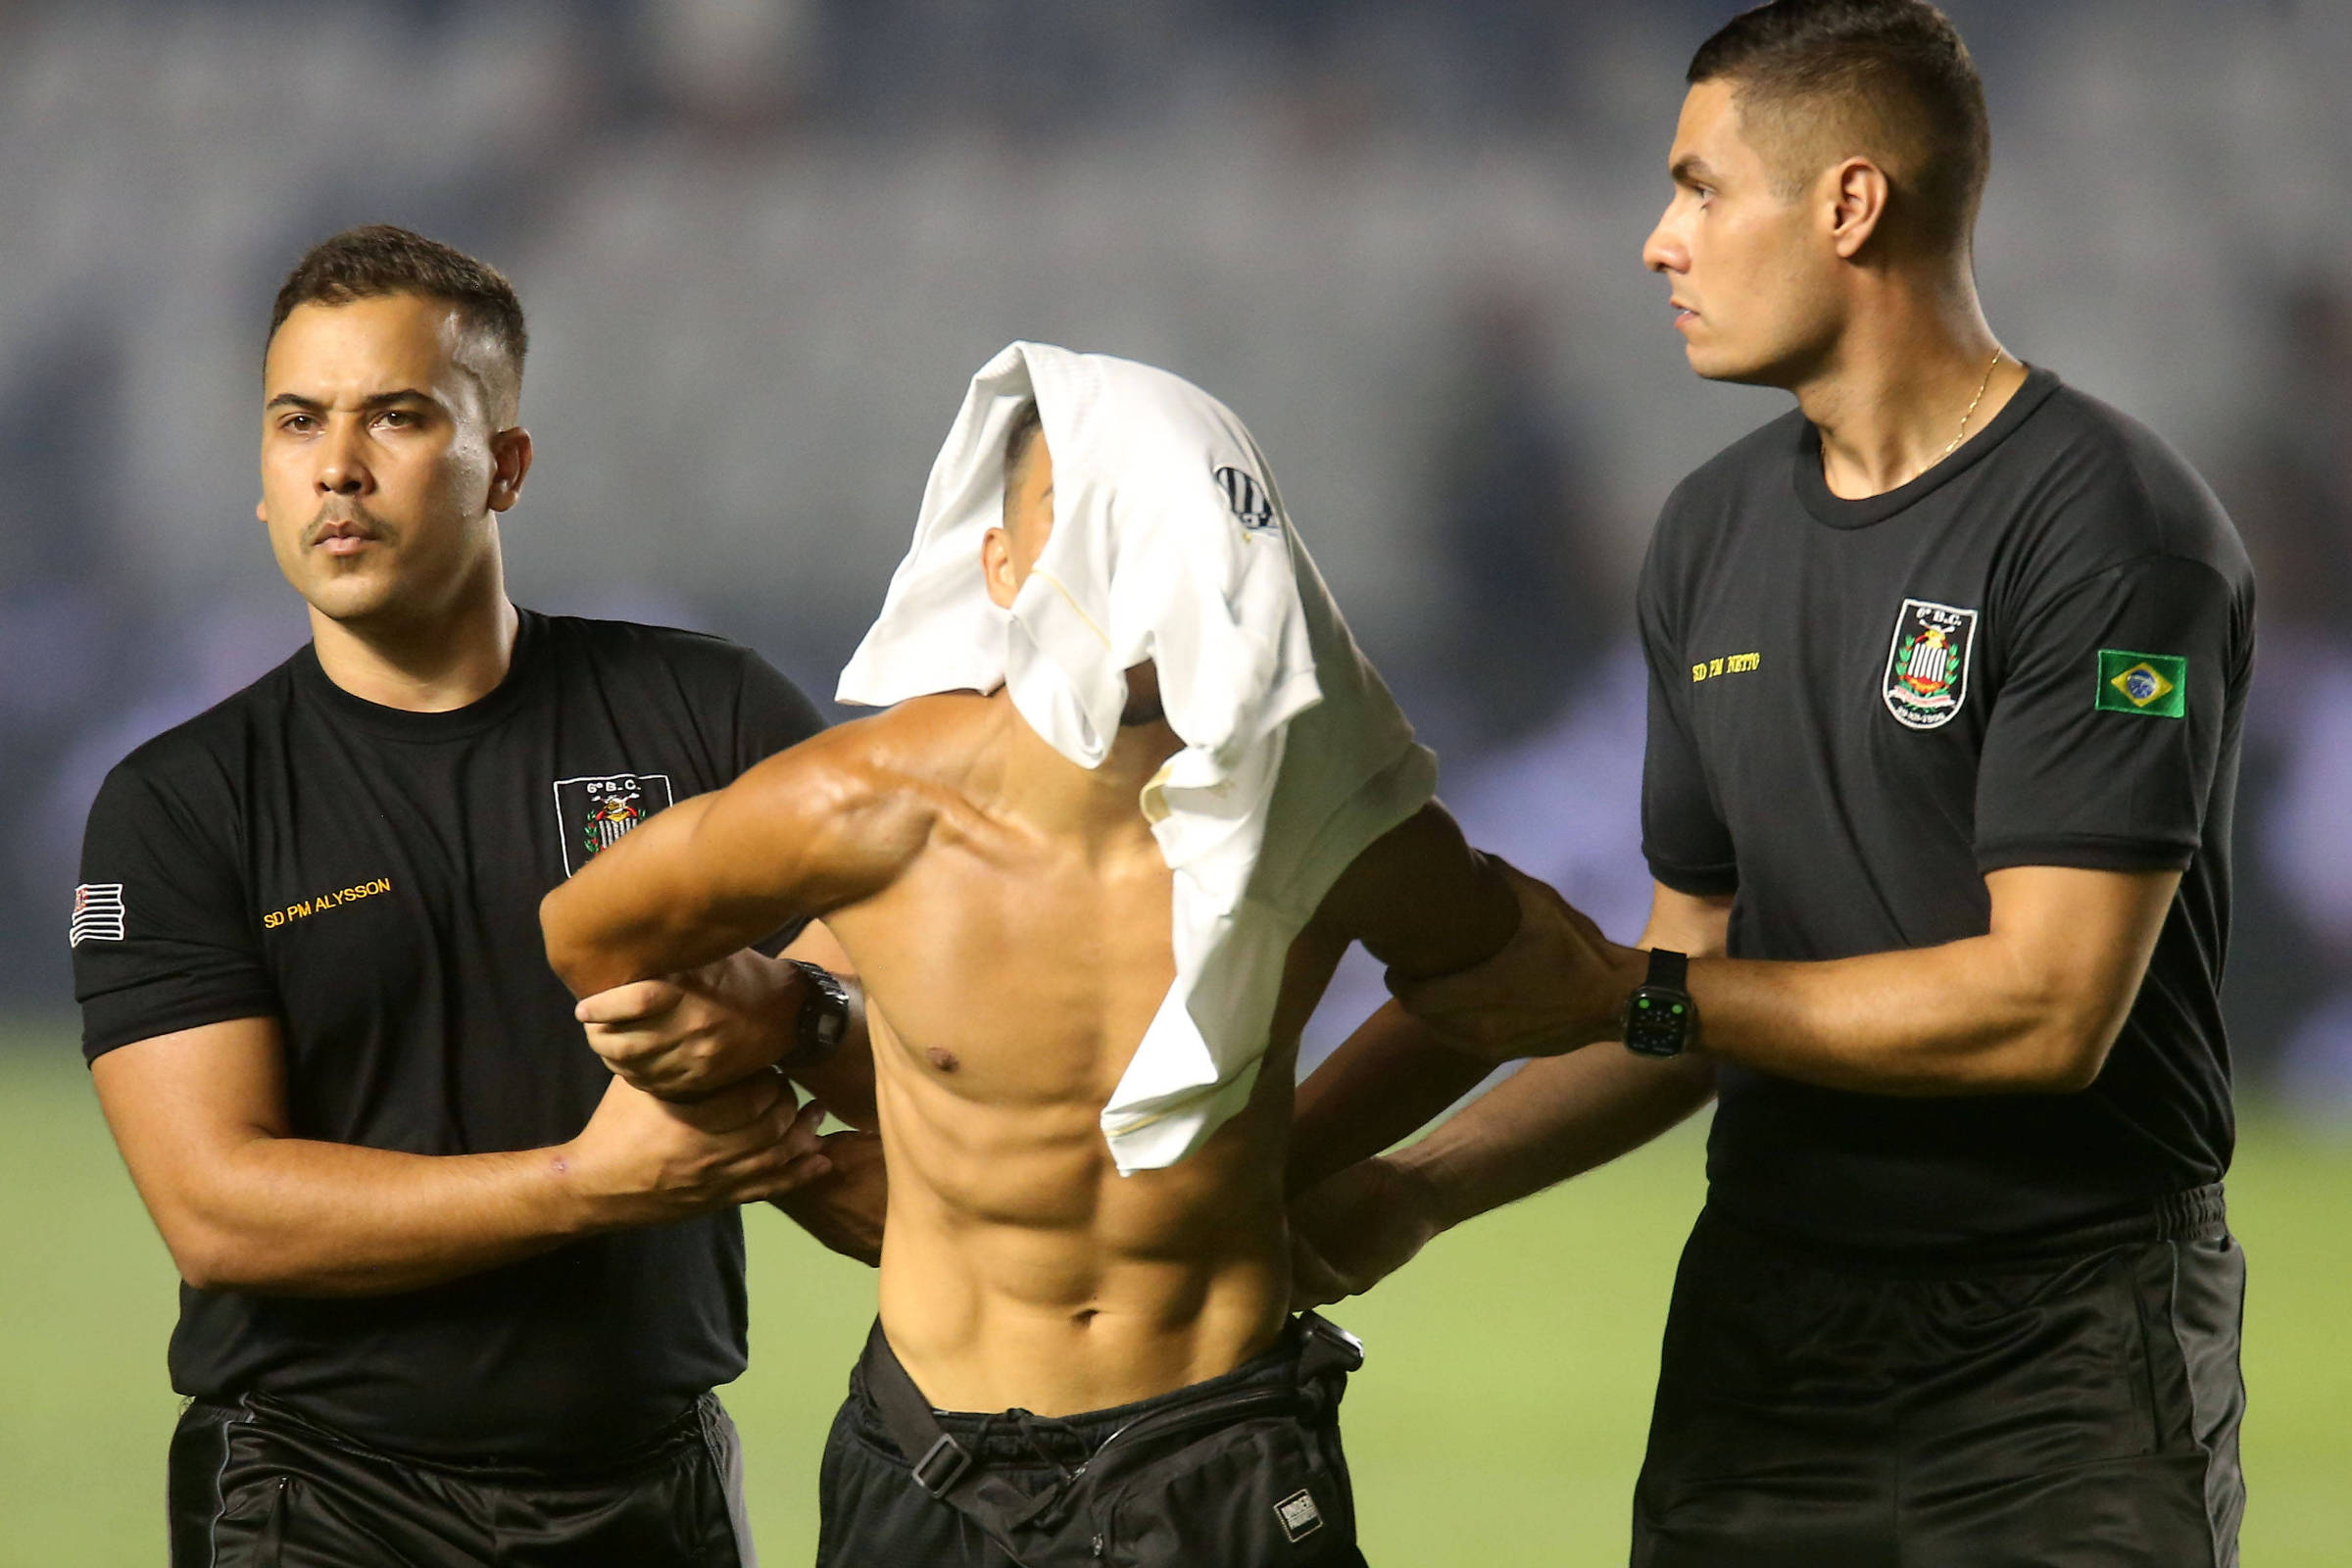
996	565
1858	190
510	455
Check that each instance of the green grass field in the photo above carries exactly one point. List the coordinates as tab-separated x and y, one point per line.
1497	1422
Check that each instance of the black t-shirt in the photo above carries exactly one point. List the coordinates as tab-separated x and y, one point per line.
2034	654
372	878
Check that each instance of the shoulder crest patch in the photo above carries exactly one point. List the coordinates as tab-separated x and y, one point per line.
1927	664
593	813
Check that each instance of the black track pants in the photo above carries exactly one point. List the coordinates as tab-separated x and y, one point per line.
2077	1409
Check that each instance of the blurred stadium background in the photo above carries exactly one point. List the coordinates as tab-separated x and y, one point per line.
764	243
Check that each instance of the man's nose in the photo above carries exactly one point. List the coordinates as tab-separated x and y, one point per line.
1663	251
343	472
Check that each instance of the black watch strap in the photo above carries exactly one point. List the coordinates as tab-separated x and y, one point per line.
1660	1019
824	1019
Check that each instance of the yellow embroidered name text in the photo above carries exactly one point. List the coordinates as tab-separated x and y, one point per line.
1731	665
303	908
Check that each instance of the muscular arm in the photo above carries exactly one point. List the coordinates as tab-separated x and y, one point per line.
804	833
1556	1117
1391	1074
1385	1083
1560	1117
1427	904
201	1119
2029	1007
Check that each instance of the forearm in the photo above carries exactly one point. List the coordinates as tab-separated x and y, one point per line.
1556	1117
844	1083
1968	1017
1386	1082
200	1117
2031	1007
293	1216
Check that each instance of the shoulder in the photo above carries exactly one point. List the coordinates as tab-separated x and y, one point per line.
1757	466
918	755
2107	492
868	796
923	749
1767	451
1701	513
631	642
709	674
202	762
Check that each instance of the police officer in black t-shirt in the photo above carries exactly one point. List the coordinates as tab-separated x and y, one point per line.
1947	671
454	1292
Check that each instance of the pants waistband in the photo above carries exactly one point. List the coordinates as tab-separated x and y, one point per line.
681	1434
2198	1214
1019	1436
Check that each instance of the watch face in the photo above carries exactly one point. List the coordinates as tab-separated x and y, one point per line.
1657	1022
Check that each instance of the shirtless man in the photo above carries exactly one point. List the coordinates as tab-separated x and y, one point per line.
1009	912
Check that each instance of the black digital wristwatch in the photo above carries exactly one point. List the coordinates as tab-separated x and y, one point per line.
1661	1018
824	1019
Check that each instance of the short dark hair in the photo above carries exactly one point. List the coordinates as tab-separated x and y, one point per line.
375	259
1902	87
1027	426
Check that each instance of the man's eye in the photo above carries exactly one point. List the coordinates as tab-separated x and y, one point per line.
396	419
298	424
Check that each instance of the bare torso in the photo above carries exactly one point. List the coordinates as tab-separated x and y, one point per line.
1011	970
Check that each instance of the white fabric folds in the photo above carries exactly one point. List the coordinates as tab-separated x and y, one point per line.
1169	543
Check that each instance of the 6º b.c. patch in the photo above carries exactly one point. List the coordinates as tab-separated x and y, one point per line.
1927	665
592	813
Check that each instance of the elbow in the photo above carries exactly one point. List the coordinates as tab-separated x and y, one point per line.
2075	1071
565	953
209	1260
213	1249
201	1275
2063	1059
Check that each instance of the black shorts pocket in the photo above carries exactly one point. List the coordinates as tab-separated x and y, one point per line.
251	1531
1270	1493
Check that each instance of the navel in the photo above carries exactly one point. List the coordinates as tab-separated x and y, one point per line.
943	1059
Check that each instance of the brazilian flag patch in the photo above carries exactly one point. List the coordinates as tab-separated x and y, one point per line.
2156	684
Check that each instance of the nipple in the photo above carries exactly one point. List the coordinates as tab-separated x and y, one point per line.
943	1059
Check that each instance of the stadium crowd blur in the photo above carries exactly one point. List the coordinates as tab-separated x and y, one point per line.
764	243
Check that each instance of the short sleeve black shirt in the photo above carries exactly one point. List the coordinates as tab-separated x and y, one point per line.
371	879
2034	654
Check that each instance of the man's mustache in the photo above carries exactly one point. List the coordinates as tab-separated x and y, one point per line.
345	517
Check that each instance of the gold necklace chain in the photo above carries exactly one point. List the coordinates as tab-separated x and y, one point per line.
1972	407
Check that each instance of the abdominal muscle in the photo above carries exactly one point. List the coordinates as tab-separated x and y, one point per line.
1019	1269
